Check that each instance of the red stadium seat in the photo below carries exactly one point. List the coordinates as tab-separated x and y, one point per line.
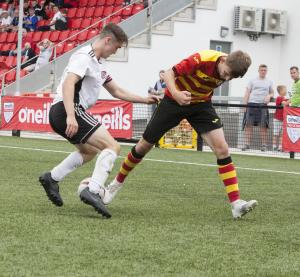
4	6
59	49
117	10
92	3
89	12
137	8
45	35
100	2
83	3
86	22
69	46
127	11
99	24
82	36
109	2
8	46
98	12
72	36
92	33
11	61
108	11
119	2
10	77
3	37
63	35
115	19
41	23
29	35
80	12
2	59
11	37
37	36
54	36
71	13
75	23
23	73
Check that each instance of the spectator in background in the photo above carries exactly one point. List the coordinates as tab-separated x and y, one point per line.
159	88
258	94
45	47
26	8
58	22
24	40
5	21
15	21
30	22
28	62
295	96
278	118
40	10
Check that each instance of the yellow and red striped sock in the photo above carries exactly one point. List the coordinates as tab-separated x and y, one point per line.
129	163
227	173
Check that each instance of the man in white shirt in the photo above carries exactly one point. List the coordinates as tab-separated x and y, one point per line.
78	90
5	21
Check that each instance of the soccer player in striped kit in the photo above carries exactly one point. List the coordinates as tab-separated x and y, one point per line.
78	90
190	86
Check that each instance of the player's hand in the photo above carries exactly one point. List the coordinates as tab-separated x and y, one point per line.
183	98
72	126
152	99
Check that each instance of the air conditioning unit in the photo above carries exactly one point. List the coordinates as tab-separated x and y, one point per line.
248	19
274	22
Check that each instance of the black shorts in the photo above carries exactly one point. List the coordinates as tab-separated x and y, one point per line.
256	115
202	117
87	124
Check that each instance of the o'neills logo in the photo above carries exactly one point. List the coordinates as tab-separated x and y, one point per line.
8	110
115	120
35	116
293	127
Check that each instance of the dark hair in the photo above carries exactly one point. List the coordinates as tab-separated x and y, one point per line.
238	62
114	31
263	65
294	67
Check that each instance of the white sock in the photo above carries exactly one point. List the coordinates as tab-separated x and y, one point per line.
104	165
69	164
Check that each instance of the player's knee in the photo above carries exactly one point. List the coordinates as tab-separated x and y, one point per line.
222	150
116	147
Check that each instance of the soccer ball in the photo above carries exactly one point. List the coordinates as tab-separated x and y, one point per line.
83	184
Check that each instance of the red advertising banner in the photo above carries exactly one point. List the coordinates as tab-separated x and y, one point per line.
291	129
31	114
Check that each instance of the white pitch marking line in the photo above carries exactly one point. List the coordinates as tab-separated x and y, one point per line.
155	160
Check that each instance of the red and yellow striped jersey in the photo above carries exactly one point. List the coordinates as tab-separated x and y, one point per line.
198	74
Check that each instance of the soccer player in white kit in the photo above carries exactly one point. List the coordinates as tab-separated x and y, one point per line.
78	90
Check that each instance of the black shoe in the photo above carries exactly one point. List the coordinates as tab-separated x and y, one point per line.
94	200
52	189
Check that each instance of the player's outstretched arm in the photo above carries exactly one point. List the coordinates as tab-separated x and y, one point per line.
125	95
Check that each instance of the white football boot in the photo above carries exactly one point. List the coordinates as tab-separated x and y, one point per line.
240	207
111	191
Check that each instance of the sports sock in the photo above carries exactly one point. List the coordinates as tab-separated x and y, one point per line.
129	163
103	167
227	173
69	164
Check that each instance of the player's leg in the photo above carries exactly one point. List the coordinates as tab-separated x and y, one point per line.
216	140
167	115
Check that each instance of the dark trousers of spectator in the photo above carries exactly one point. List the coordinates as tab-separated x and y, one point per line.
43	28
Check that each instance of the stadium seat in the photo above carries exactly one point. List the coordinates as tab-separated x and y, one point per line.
82	36
8	46
137	8
10	77
100	2
11	61
59	48
97	26
117	10
71	13
42	22
119	2
75	23
23	73
37	36
3	37
29	35
86	22
80	12
45	35
83	3
72	36
63	35
92	33
127	11
11	37
98	12
4	6
2	59
89	12
92	3
69	46
54	36
109	2
114	19
107	11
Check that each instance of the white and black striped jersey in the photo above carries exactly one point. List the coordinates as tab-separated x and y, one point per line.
93	74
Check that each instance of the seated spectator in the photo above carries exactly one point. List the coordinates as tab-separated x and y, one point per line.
58	22
11	9
5	21
26	8
40	10
28	62
15	21
24	40
30	21
45	47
